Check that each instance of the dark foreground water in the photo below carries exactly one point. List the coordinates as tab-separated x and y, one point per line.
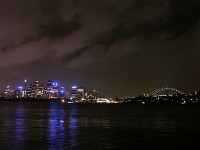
98	126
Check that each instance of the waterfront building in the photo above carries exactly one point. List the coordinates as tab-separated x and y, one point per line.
92	95
6	93
103	100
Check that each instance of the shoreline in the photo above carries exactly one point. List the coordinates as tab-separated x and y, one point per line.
30	100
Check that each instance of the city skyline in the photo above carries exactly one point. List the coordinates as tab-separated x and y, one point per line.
123	48
52	92
25	84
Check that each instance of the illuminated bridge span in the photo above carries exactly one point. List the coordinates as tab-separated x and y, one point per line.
168	91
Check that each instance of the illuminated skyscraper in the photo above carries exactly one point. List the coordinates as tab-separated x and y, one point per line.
76	93
19	92
25	88
25	84
62	92
54	90
51	91
36	90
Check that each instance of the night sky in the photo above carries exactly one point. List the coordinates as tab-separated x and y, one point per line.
119	47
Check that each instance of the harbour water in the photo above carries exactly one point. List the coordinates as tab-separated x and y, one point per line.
98	126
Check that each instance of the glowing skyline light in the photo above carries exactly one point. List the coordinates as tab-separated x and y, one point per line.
74	87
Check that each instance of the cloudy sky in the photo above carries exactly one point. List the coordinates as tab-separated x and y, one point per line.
121	48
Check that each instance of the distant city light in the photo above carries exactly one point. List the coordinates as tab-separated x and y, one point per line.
20	87
74	87
36	90
55	84
78	94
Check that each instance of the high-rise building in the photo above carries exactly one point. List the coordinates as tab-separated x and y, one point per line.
28	92
76	93
54	90
81	93
62	92
25	81
73	94
25	88
35	90
51	92
18	93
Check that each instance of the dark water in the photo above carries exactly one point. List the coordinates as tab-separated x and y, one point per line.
98	126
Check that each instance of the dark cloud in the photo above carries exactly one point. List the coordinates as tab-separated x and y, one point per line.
7	47
120	47
58	30
74	55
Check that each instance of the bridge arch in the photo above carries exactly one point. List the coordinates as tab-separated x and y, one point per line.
168	91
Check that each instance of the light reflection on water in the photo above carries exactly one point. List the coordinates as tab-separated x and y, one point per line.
56	128
61	126
19	127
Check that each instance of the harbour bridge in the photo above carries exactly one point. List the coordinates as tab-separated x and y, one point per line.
168	91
